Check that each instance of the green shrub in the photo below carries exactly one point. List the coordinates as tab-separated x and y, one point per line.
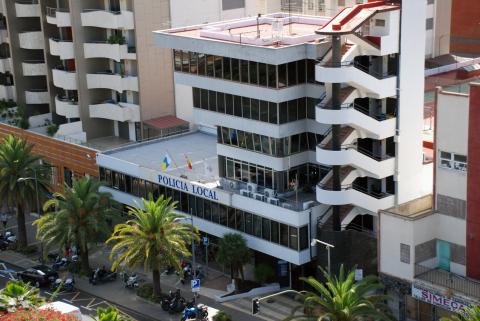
52	129
145	291
23	123
116	39
263	273
222	316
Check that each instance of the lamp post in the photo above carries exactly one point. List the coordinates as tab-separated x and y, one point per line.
327	246
35	178
194	265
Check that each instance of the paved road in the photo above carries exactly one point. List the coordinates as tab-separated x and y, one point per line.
87	303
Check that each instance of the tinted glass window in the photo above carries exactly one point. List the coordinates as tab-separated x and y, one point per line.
235	70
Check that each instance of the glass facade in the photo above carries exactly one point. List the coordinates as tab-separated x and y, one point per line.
277	147
255	109
238	170
235	219
244	71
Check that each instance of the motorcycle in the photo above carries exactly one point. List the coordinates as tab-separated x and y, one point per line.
64	285
177	305
130	281
188	273
101	275
60	263
196	312
168	300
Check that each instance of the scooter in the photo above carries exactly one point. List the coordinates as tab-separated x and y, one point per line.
196	312
64	285
101	275
130	281
188	273
177	305
60	263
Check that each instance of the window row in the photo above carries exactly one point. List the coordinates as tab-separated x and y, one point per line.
453	161
278	147
242	221
274	113
249	72
280	181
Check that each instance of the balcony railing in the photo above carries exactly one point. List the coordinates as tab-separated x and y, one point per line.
448	279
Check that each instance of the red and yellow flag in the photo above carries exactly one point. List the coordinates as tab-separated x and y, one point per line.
189	162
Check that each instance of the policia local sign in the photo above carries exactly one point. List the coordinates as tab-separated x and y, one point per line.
452	303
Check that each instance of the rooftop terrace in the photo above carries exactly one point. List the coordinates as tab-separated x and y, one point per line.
273	30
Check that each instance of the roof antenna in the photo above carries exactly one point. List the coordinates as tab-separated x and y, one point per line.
258	25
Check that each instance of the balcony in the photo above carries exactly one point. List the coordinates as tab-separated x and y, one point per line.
373	85
27	8
5	65
7	92
112	81
378	126
376	165
61	48
352	194
31	40
66	107
64	79
34	68
37	96
116	111
114	51
449	280
59	17
108	19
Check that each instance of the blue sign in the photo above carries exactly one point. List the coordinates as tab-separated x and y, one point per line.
205	241
195	283
187	187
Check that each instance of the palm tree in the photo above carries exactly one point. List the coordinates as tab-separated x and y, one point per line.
234	252
470	314
81	217
17	294
18	170
342	299
155	237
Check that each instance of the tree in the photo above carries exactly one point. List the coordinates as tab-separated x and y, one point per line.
155	237
470	314
82	217
342	299
19	296
18	169
234	252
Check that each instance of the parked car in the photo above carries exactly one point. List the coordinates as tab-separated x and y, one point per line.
39	275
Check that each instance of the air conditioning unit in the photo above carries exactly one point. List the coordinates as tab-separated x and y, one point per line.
258	197
244	192
252	188
287	206
233	185
269	192
307	205
273	201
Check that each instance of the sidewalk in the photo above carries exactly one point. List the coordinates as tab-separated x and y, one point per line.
116	293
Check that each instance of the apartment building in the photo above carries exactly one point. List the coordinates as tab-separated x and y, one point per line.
429	247
91	67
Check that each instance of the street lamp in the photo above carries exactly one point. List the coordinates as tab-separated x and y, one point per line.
327	246
23	179
194	265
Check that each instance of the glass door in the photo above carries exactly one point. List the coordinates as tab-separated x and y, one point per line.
443	254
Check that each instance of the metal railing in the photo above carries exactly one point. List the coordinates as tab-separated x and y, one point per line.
359	66
448	279
364	190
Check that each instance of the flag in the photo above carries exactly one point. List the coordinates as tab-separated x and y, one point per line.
166	162
189	162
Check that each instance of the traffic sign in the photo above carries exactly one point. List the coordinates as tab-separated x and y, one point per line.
205	241
195	283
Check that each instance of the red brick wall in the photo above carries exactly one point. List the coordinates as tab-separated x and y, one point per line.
473	185
465	28
60	154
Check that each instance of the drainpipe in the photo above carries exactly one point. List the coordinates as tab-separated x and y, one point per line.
336	144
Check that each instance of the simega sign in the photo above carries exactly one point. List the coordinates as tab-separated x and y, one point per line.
453	304
188	187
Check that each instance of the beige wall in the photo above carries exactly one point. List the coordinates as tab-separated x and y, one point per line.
443	10
155	70
452	136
